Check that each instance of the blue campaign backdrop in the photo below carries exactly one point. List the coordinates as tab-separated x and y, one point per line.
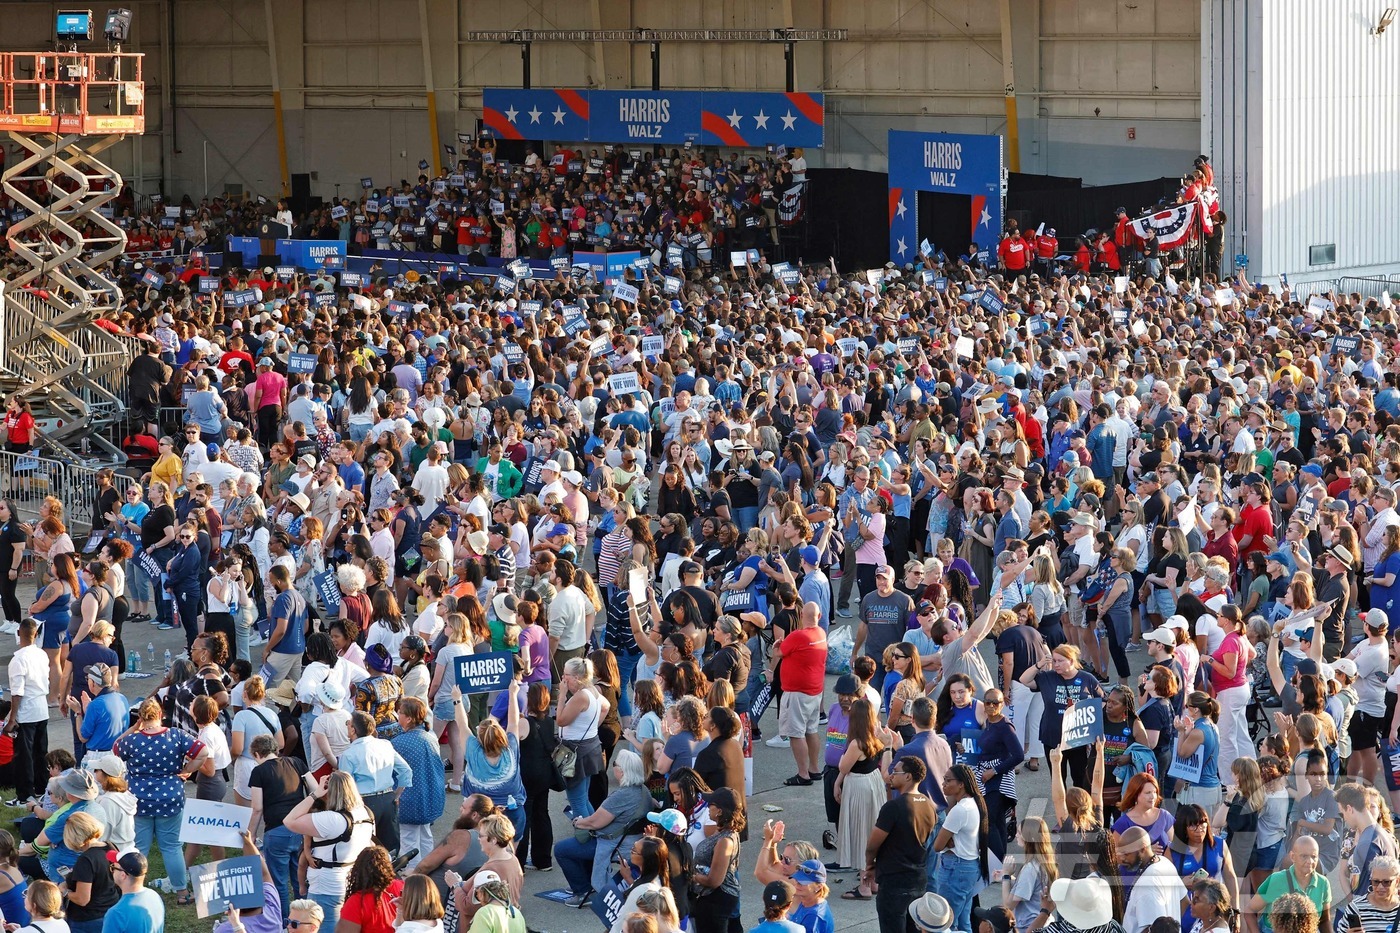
304	254
705	118
945	163
607	266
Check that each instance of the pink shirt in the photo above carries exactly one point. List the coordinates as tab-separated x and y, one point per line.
272	385
872	550
1233	644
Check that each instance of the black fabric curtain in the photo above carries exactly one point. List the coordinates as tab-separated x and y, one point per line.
848	214
1036	199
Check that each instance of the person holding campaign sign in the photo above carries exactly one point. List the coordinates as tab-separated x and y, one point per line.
1061	683
1197	752
492	759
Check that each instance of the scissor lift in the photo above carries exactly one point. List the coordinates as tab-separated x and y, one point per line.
64	109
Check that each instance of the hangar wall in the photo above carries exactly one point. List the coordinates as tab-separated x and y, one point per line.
1107	91
1299	168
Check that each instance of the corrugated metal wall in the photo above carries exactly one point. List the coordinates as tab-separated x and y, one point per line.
1302	117
1108	89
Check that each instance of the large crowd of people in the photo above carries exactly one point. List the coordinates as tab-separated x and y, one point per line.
1136	532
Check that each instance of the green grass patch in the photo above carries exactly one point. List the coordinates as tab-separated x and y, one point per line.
177	919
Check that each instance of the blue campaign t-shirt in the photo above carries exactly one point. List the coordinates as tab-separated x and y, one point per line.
290	606
141	912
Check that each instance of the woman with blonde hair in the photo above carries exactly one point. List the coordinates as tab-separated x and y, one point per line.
579	711
44	902
444	691
89	885
1024	888
659	906
337	827
496	835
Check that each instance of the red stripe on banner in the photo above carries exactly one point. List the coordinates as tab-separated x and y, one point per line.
979	201
498	122
719	126
574	101
895	194
809	107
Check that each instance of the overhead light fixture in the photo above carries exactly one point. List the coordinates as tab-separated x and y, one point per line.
1387	18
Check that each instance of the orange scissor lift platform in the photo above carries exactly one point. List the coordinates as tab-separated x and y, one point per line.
87	93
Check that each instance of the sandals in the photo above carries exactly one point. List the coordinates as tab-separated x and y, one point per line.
855	895
186	899
1033	764
798	780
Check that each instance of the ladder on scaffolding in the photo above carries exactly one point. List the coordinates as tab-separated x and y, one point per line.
71	371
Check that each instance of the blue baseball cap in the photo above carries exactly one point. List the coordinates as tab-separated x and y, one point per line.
1312	469
811	871
810	555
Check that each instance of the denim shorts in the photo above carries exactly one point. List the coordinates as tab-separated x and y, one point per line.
1162	602
444	711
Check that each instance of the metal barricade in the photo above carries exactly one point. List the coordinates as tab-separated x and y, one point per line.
27	480
1369	286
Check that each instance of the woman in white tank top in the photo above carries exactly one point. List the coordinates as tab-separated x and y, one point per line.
579	711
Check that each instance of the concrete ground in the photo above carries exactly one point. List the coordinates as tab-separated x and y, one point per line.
801	808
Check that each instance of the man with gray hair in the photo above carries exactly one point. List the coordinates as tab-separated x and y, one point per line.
381	776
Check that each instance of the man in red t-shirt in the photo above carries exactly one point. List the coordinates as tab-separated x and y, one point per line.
465	239
1014	252
803	653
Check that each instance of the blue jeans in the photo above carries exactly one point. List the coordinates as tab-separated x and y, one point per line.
627	668
358	432
306	721
956	879
243	635
79	746
281	847
85	926
746	518
166	830
516	815
576	861
330	907
576	790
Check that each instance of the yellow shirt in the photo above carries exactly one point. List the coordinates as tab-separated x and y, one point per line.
170	470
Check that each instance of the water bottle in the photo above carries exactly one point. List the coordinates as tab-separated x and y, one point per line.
150	649
167	660
136	661
510	802
129	668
